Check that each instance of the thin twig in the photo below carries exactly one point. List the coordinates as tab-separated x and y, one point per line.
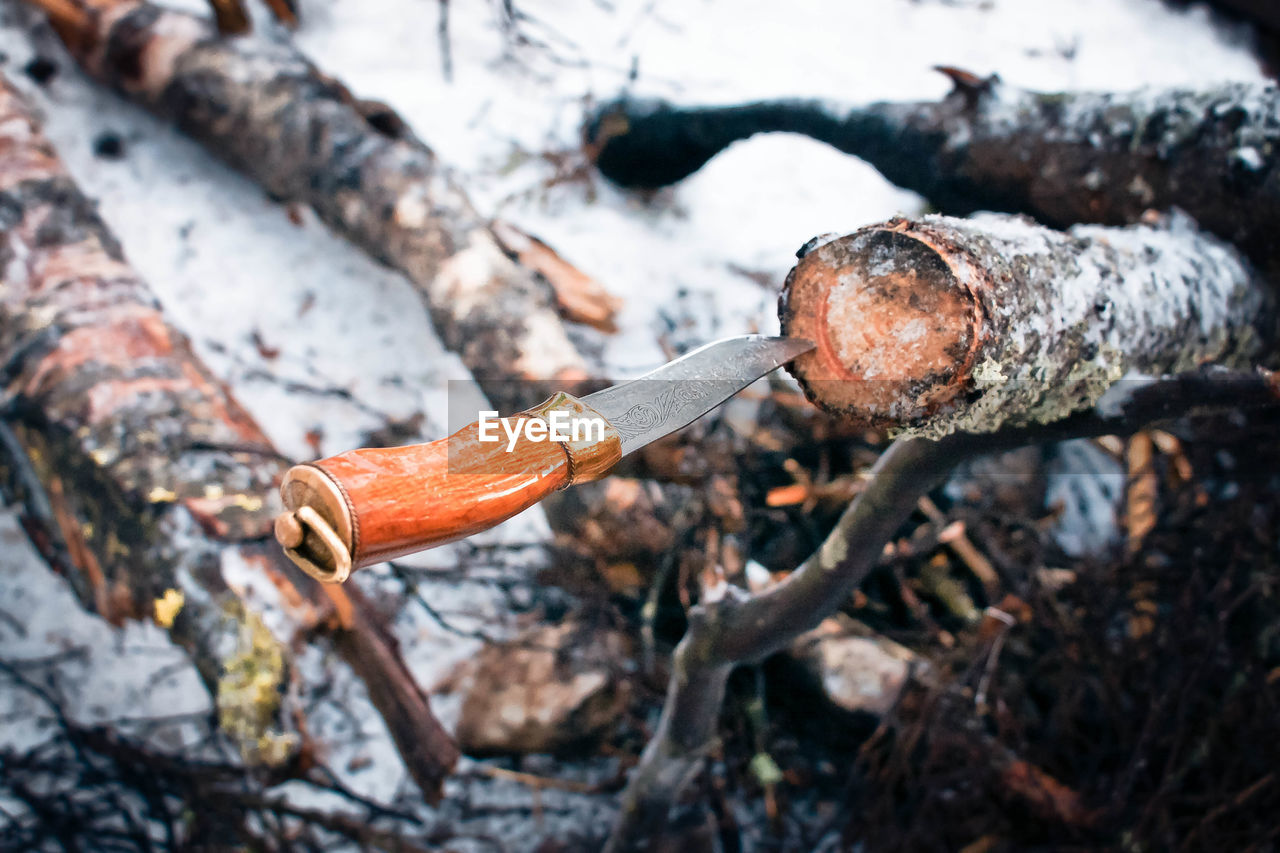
534	781
446	46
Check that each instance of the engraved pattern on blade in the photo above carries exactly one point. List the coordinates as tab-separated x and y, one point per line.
676	394
669	403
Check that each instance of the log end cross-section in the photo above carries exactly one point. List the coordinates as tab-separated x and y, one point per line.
944	325
895	329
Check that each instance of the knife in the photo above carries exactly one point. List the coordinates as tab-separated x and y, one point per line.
374	504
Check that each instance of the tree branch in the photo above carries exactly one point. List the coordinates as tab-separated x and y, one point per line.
986	145
737	629
264	108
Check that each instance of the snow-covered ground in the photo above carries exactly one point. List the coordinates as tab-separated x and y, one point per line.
312	335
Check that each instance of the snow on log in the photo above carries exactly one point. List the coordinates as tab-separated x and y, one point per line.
147	483
1062	158
943	325
268	111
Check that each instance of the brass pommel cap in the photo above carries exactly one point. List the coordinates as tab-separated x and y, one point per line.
316	529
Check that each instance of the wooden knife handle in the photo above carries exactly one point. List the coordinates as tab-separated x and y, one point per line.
365	506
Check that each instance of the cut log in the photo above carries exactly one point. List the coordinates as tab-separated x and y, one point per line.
140	472
1063	158
265	109
943	325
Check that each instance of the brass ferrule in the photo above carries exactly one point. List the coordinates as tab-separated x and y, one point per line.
589	458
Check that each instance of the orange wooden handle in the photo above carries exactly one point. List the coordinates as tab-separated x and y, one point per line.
375	504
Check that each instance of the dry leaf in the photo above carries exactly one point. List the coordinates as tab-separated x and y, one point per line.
985	844
1046	794
796	493
1140	494
168	606
579	297
622	577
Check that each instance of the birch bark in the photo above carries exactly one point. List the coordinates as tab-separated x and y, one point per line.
265	109
141	474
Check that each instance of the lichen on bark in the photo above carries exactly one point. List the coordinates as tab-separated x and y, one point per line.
250	691
140	473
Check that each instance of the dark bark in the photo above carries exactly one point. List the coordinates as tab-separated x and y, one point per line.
947	325
1063	158
270	113
1264	13
139	470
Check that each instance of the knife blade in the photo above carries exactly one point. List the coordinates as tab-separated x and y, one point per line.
374	504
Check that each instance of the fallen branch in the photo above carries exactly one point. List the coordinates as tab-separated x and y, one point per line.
142	475
1063	158
946	325
265	109
728	627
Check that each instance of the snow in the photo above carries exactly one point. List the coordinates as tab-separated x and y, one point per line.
1249	157
1086	484
346	345
100	672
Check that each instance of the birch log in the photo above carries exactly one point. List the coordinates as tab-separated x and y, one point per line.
1062	158
271	114
943	325
143	477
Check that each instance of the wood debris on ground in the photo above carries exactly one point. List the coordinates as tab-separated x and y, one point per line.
580	298
545	690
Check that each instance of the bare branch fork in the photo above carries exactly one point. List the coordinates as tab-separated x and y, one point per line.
731	629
